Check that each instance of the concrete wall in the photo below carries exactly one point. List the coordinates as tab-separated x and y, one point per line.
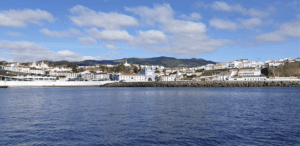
51	83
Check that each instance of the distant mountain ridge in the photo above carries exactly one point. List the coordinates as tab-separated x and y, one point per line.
164	61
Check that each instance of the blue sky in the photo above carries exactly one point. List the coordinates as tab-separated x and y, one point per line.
75	30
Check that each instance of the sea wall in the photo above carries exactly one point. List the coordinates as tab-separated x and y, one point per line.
207	84
8	84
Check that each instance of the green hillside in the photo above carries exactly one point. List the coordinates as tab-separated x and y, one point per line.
164	61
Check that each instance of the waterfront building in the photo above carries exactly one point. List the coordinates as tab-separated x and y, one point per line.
247	78
27	78
130	77
251	71
206	78
63	73
101	77
148	73
167	78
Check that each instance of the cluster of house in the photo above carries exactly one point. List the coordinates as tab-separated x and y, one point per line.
236	70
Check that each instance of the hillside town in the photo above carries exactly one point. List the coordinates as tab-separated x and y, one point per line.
239	70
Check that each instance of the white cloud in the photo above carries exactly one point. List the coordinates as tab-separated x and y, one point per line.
84	16
102	57
87	40
112	47
223	24
250	23
257	13
160	13
222	6
28	52
188	38
19	18
192	17
284	33
13	34
111	53
110	35
62	34
150	37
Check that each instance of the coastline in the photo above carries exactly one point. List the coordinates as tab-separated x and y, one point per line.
207	84
29	84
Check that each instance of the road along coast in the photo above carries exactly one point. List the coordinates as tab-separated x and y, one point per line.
207	84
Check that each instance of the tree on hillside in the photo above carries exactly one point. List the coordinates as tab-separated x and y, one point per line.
265	71
80	70
135	69
131	65
164	70
140	68
74	68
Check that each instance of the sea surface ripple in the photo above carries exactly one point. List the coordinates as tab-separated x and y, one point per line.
150	116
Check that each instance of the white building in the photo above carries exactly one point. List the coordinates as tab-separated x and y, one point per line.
130	77
275	64
268	61
67	74
249	72
41	65
248	79
167	78
101	77
126	64
148	73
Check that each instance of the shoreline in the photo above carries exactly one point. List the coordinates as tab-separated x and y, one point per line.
207	84
41	84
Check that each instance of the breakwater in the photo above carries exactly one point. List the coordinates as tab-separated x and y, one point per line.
207	84
17	84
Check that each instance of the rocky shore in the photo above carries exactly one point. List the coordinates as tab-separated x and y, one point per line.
207	84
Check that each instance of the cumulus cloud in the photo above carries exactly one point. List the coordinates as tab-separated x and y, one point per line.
223	6
150	37
250	23
223	24
102	57
286	32
257	13
13	34
62	34
112	47
192	17
19	18
83	16
188	38
87	40
111	53
28	52
110	35
160	13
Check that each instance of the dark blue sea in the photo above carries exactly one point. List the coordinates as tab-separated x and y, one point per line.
150	116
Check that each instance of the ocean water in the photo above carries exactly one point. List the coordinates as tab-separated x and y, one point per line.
150	116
